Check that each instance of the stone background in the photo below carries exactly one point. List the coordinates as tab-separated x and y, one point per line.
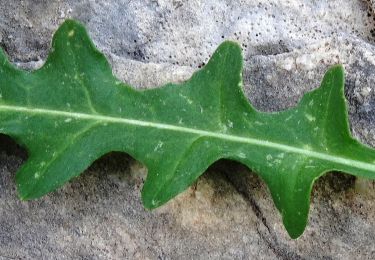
228	214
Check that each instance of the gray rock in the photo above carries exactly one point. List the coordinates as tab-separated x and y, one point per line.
228	213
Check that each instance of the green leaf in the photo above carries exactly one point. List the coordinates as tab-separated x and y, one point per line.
73	110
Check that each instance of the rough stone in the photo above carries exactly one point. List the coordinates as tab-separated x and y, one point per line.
228	213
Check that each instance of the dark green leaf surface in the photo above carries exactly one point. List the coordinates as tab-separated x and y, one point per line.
73	110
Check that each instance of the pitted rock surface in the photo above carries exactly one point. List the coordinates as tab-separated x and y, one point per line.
228	213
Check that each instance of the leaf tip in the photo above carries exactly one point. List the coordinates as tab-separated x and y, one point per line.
338	70
21	194
334	78
150	202
68	31
22	198
227	62
230	47
153	198
295	228
71	23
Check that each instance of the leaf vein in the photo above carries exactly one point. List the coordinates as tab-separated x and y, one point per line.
227	137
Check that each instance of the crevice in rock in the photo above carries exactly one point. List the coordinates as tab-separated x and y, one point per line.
270	49
371	14
227	168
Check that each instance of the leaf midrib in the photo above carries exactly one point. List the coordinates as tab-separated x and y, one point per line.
234	138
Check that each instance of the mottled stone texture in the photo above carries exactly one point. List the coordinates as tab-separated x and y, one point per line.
228	213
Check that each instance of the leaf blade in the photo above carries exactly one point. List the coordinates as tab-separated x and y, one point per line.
73	110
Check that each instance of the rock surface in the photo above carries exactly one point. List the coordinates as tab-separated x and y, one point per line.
228	213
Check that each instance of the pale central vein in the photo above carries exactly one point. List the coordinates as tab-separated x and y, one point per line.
223	136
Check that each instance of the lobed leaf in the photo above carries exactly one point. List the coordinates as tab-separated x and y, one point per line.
73	110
